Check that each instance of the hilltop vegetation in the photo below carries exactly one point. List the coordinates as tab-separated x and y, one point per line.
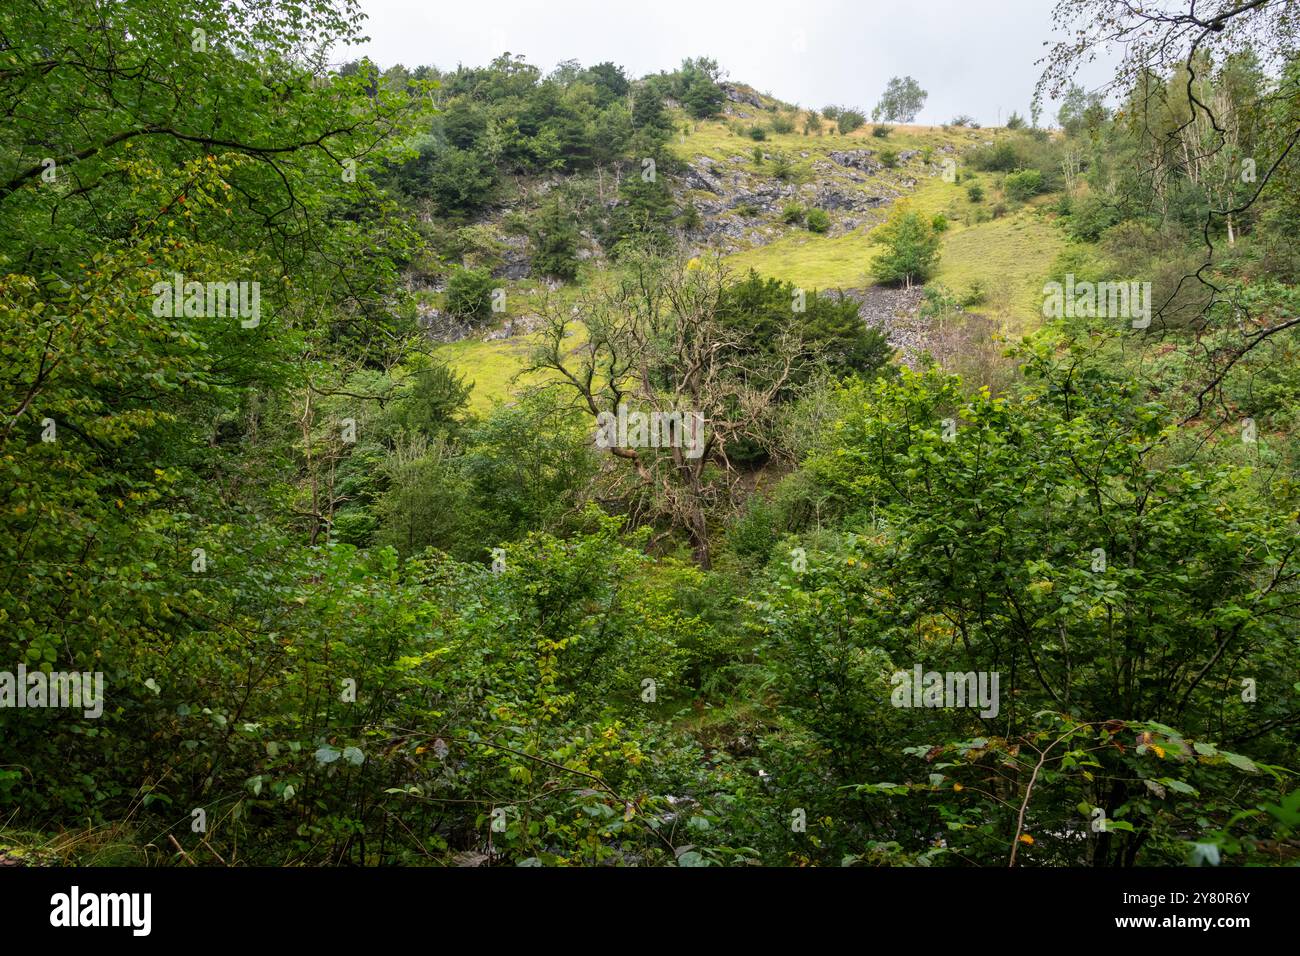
641	470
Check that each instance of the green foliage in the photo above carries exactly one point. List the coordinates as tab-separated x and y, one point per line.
359	625
782	124
469	294
1023	185
911	249
554	241
828	325
847	120
902	100
697	88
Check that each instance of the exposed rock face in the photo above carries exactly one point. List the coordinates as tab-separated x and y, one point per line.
736	95
856	159
701	175
520	325
518	264
440	326
833	198
894	312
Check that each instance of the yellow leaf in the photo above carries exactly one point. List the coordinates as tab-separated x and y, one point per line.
1026	839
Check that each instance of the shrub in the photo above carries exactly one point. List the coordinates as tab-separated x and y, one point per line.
975	192
889	157
1001	157
554	239
469	293
1015	121
999	210
975	295
961	120
1090	218
793	213
911	249
1024	185
758	155
748	210
690	217
818	220
782	168
757	133
881	131
939	223
849	120
781	124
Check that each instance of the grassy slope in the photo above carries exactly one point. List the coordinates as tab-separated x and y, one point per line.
1009	256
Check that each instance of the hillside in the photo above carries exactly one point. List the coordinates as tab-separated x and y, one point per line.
740	188
488	465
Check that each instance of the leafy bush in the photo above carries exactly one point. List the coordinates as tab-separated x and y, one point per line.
849	119
469	293
889	158
554	238
1001	157
975	192
1090	217
881	131
1023	185
911	249
818	220
975	295
793	213
782	124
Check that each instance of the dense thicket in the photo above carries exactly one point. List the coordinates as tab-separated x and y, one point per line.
344	617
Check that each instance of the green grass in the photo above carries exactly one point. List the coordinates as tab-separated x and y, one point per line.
491	367
1009	256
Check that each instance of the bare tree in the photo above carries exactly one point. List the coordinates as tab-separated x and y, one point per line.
650	343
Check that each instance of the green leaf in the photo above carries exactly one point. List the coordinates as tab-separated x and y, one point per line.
1242	762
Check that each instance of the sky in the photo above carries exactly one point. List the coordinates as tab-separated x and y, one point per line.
972	56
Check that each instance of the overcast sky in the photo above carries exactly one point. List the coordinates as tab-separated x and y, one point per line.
973	56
